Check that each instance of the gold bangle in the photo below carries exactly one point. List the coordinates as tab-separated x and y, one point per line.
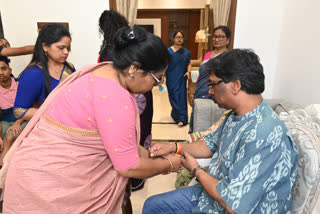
171	164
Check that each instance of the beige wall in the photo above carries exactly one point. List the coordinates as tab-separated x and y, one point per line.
297	74
284	34
171	4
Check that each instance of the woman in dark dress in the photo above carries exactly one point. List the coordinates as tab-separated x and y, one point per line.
177	73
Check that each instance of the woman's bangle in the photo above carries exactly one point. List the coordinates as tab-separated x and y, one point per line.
178	148
171	165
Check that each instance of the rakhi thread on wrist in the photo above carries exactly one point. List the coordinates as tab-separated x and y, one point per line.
178	148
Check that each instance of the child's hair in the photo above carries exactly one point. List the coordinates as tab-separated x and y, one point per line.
5	59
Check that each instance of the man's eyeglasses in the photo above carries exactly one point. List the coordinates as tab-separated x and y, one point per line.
212	84
157	81
214	37
178	37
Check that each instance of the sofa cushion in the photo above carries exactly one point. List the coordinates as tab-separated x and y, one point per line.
305	131
286	106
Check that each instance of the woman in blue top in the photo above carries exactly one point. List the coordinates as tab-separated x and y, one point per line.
178	69
46	70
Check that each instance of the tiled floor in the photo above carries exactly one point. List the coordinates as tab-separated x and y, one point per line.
153	186
164	128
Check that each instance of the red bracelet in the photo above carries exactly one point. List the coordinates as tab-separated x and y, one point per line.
178	148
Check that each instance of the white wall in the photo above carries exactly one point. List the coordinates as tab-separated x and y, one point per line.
20	19
297	76
284	34
258	26
171	4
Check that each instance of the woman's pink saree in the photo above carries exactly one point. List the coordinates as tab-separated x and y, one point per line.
84	182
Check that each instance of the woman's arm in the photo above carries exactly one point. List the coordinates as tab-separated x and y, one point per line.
17	51
148	167
29	90
26	115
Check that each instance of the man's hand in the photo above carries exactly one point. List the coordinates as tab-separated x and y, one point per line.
189	162
161	149
15	128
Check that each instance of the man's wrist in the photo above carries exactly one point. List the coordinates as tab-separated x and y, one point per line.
196	169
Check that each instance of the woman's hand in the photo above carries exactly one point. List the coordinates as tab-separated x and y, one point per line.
189	162
175	160
15	128
187	75
161	149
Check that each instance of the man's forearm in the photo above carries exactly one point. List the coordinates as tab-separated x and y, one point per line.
198	149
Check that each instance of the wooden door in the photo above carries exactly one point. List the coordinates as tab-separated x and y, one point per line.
173	20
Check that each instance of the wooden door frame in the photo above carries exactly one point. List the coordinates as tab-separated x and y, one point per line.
156	14
113	5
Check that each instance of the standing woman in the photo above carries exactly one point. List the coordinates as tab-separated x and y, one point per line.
220	41
178	69
46	70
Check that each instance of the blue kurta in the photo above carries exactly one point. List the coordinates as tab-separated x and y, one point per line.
31	88
256	162
176	83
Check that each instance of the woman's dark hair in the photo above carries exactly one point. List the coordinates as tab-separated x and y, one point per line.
225	29
175	33
49	34
5	59
139	47
109	22
239	64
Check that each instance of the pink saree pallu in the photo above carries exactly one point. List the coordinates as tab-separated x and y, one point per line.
53	168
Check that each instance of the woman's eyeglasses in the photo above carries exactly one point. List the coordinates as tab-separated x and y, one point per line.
157	81
214	37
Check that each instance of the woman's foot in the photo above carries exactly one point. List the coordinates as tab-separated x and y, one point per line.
180	124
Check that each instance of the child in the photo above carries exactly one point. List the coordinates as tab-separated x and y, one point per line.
10	128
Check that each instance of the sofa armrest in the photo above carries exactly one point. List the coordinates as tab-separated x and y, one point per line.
205	114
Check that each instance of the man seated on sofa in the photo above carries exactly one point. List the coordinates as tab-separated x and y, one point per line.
253	159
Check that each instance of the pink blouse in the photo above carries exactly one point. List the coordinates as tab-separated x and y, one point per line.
98	103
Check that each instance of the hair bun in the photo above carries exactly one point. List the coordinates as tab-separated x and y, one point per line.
125	36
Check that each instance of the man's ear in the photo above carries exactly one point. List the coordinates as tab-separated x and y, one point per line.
236	86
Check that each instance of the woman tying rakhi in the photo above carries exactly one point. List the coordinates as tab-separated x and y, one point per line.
80	148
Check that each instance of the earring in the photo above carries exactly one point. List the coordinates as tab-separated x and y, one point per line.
130	73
